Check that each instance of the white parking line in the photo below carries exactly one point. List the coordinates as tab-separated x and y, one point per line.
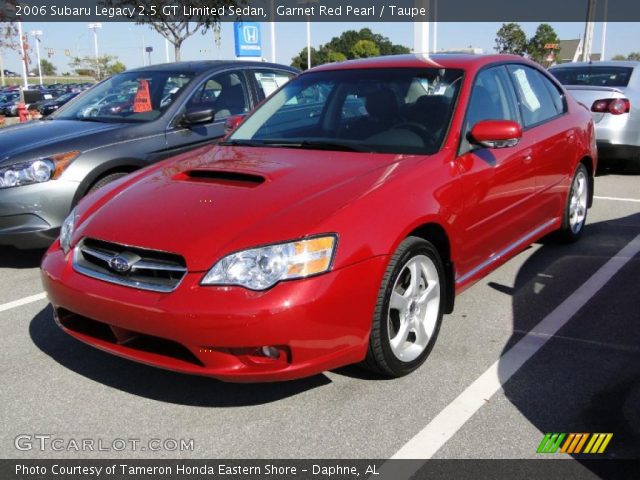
618	199
23	301
430	439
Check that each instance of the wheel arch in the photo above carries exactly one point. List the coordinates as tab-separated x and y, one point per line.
436	234
125	165
587	161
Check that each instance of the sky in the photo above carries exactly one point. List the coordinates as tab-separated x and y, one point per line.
126	40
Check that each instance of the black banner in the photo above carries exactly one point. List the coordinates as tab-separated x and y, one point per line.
564	469
318	10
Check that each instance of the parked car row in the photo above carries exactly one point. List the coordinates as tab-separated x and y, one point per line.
45	98
335	224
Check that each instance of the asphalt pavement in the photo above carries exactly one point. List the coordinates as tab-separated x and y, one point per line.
583	378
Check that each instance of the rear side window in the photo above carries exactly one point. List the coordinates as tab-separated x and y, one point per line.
593	76
271	80
535	100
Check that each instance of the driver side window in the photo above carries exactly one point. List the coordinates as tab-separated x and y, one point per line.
225	93
491	98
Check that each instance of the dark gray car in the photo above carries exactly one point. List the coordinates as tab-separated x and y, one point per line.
150	114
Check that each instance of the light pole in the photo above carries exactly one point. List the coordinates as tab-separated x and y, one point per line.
421	31
95	27
273	35
37	34
2	67
306	2
24	57
604	30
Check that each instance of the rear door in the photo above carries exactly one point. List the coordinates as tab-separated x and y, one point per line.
499	184
552	138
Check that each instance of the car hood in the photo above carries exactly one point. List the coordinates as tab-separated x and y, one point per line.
228	198
22	138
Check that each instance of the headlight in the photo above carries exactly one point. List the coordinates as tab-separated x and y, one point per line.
66	231
36	171
261	268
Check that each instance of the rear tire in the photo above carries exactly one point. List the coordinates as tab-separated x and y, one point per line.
101	182
576	207
409	309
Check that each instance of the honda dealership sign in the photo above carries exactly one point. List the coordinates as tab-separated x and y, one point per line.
248	40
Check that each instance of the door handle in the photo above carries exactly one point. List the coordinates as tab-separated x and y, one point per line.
527	158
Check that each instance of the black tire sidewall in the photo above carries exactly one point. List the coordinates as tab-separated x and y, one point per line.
408	249
106	180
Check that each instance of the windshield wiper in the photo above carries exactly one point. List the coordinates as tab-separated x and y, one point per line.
242	143
317	145
90	119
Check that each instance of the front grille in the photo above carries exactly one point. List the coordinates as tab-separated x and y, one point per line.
129	266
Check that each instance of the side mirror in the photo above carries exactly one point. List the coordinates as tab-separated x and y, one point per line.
232	123
197	116
496	133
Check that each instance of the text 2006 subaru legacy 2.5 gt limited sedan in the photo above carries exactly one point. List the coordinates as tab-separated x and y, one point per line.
334	226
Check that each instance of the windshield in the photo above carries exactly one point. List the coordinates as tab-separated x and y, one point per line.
396	110
593	76
127	97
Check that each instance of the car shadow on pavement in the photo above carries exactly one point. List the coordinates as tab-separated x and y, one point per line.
586	378
155	383
13	258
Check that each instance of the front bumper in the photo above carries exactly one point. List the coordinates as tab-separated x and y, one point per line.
31	215
317	324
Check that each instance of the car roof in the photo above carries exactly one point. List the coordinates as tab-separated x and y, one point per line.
201	66
445	60
612	63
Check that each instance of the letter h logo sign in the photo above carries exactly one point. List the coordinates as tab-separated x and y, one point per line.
250	34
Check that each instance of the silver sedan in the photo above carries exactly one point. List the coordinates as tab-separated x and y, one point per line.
611	90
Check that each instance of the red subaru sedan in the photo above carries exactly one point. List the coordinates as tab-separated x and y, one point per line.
335	225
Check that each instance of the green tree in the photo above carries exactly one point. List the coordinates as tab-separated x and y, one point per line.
635	56
545	35
48	68
300	60
511	39
364	49
342	48
116	67
108	65
336	57
619	57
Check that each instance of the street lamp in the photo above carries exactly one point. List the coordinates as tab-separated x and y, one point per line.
306	2
95	27
23	53
37	34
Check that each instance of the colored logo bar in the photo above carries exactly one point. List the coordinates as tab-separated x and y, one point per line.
574	443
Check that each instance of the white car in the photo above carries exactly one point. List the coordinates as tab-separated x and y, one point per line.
611	90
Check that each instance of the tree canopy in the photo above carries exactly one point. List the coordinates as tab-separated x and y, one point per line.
108	65
349	45
545	35
177	32
511	39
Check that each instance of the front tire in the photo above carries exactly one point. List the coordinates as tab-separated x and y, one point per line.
575	210
409	309
107	179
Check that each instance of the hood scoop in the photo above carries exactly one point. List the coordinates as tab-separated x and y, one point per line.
223	177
